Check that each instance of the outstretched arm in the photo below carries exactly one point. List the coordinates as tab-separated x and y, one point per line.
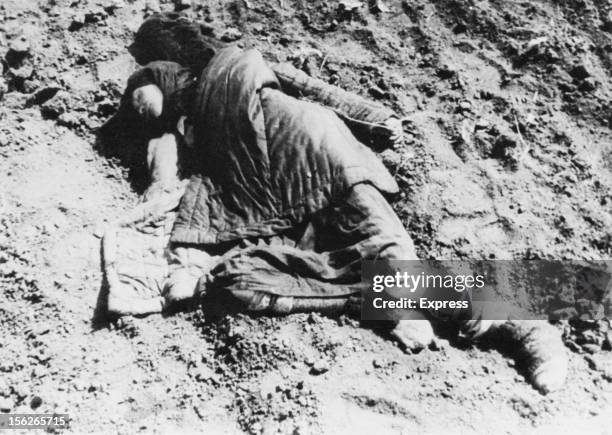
368	119
163	165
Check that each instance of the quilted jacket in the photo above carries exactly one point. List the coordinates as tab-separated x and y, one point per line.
269	161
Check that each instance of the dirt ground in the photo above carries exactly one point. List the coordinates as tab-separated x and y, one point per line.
508	155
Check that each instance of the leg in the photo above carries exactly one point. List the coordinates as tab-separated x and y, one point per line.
126	287
187	265
122	306
539	343
122	299
538	346
323	272
366	216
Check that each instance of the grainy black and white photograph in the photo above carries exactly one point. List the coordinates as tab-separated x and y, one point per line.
305	216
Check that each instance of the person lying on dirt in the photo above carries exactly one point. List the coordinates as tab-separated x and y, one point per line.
171	37
287	211
154	93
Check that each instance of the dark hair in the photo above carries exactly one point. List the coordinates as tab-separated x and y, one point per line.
171	37
180	103
177	85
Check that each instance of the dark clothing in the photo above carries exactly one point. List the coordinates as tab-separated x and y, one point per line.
319	265
364	118
270	161
284	189
171	37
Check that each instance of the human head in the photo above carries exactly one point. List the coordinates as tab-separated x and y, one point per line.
148	101
173	37
157	94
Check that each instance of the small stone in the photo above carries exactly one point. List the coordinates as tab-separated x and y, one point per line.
77	23
379	6
313	319
535	44
231	34
95	386
95	15
113	5
152	6
43	95
20	45
446	71
56	105
438	344
382	84
35	402
69	120
587	85
580	72
481	124
350	5
320	367
24	72
391	158
377	92
591	348
460	28
465	106
6	405
30	86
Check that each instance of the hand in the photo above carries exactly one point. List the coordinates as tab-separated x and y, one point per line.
158	189
181	284
396	130
153	192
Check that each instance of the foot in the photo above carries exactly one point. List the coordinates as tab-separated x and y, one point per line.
538	346
542	351
125	306
181	284
414	335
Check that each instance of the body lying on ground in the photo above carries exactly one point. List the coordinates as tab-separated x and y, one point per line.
287	212
170	37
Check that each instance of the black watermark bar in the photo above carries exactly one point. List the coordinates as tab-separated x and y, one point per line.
34	421
487	289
